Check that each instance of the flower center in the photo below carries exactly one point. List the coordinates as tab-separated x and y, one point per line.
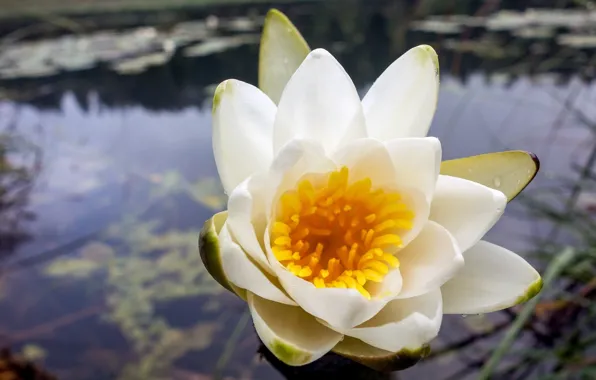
339	235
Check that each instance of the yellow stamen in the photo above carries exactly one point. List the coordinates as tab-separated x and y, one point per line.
280	228
389	239
337	234
305	272
319	282
370	218
283	241
373	276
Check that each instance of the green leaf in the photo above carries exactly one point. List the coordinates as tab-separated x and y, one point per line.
378	359
509	172
282	50
211	252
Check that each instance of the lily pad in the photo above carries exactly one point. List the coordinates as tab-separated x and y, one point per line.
509	172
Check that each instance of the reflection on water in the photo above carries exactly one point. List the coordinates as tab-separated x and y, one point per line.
107	175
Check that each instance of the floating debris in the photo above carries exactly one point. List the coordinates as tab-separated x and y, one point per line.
220	44
578	40
29	70
438	26
127	52
535	32
486	48
448	24
139	64
243	24
566	18
190	31
507	20
512	20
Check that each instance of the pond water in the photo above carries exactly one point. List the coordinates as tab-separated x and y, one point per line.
108	175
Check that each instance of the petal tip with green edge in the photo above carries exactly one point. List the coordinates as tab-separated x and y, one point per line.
293	336
219	91
429	52
532	291
282	50
509	172
288	354
209	250
378	359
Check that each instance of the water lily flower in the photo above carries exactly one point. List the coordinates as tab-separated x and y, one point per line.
341	231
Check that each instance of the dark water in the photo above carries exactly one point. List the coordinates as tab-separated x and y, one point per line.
108	178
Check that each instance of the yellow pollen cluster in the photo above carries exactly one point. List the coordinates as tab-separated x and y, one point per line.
337	235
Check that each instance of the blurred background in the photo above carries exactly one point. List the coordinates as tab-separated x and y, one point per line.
107	174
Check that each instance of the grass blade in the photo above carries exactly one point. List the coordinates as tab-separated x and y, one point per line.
552	272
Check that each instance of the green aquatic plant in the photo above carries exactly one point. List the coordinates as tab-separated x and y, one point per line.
144	265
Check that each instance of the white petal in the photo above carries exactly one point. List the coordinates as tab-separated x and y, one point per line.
415	201
319	102
339	308
292	335
295	159
245	274
402	101
367	158
403	323
299	157
243	120
247	217
417	162
467	209
390	287
492	279
428	261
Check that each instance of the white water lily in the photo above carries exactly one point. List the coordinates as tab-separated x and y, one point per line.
339	223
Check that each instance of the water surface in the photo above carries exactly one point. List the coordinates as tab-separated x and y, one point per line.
101	277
